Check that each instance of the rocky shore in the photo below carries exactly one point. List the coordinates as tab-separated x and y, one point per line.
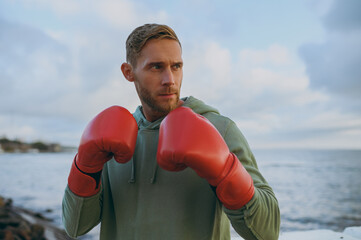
21	224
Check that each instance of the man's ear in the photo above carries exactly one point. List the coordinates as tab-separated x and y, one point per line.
127	71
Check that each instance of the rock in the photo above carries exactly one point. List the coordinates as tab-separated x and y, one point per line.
48	210
37	232
13	226
21	224
2	202
4	222
6	235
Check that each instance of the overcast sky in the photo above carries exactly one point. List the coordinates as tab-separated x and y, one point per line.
287	72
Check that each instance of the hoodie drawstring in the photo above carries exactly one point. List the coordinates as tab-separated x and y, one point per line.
152	180
132	173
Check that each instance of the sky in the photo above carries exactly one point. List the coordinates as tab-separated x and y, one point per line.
286	72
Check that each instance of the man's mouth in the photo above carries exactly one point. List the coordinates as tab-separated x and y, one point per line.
165	95
168	92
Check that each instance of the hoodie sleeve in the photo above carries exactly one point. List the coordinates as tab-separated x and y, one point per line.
80	214
259	218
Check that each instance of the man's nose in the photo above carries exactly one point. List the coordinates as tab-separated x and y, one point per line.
167	77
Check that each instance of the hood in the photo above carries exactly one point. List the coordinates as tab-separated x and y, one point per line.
198	106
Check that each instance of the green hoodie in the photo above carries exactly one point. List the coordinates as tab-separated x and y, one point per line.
139	200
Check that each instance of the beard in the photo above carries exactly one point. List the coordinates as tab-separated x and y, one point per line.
163	107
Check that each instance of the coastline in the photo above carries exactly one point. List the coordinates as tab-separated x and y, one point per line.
20	223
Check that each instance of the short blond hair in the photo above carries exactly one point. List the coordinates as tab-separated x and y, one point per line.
139	37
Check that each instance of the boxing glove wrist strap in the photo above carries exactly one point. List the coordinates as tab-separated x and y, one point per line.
83	184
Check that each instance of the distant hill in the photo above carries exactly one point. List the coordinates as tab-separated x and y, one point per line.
15	146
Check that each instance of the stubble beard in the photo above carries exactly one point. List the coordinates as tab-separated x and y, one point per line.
161	108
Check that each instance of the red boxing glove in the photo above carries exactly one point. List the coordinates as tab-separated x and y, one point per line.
113	132
187	139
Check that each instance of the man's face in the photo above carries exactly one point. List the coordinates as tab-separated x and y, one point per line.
158	77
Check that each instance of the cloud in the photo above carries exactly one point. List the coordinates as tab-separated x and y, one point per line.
120	14
30	62
262	90
207	70
67	72
275	55
327	128
269	95
333	68
60	72
127	14
62	8
343	16
55	76
333	65
45	79
269	74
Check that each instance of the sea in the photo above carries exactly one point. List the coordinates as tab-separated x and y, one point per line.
316	189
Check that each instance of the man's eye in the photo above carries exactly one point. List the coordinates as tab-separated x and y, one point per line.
177	66
156	67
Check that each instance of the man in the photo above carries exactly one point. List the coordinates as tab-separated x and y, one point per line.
175	169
